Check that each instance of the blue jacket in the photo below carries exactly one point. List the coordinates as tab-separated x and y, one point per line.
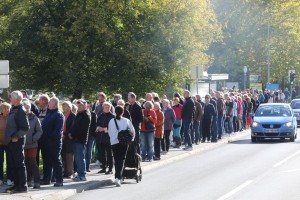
52	126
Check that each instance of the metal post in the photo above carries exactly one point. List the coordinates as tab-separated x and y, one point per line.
197	77
269	43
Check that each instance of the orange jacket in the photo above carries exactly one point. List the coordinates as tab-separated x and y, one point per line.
152	118
159	126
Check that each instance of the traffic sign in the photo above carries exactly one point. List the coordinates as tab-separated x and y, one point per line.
4	71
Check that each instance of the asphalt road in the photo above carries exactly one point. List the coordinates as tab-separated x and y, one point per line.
238	170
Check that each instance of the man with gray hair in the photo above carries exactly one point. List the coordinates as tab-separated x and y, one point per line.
51	144
16	129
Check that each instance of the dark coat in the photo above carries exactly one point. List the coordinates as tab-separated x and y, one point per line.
93	126
188	109
52	126
209	111
17	124
34	133
81	127
137	117
103	121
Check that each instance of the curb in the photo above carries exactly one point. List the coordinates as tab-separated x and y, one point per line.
94	184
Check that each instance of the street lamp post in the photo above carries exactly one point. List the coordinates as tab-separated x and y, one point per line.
245	76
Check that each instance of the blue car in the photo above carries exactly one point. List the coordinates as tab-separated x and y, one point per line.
274	120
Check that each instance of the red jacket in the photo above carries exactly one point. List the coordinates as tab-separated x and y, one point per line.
152	118
177	109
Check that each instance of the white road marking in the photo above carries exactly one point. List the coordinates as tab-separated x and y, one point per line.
292	170
286	159
236	190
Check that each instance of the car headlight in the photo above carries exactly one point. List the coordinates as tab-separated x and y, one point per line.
289	124
255	124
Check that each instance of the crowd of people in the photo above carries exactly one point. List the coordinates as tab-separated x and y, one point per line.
67	139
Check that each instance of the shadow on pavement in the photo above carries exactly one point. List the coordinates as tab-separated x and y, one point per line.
262	141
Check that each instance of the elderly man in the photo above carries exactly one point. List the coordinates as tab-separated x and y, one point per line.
188	111
16	129
79	135
51	144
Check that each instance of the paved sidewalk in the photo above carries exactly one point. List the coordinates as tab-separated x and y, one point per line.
96	180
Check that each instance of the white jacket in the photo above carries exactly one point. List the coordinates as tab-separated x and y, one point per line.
123	124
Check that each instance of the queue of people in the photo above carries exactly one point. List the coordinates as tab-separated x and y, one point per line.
68	140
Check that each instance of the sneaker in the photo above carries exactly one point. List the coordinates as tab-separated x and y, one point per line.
78	178
9	182
118	182
151	160
29	184
109	172
188	148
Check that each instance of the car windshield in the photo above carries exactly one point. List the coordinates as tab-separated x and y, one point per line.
295	105
273	111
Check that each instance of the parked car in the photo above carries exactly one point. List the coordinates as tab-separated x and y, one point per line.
274	120
295	105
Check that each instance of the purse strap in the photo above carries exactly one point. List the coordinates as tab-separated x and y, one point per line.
116	124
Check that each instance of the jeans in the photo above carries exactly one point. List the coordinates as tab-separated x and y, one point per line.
186	131
79	155
176	133
51	151
220	123
197	131
119	152
229	125
234	124
17	160
9	175
165	142
89	150
147	143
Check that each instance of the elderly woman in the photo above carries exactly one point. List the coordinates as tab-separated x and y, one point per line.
4	112
159	130
103	140
177	107
31	145
126	112
168	125
147	131
67	152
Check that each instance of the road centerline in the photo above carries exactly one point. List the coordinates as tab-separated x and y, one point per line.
236	190
286	159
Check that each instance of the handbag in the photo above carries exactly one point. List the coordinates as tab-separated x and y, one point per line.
124	136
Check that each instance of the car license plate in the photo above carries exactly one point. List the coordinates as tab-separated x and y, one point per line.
271	130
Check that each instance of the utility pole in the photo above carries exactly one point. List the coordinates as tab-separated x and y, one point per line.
269	43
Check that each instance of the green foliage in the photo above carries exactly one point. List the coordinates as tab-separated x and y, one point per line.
82	46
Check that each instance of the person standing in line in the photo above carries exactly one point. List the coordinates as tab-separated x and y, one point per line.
197	120
51	144
119	149
4	113
147	131
169	121
188	111
17	127
91	138
159	130
79	135
136	114
221	112
102	139
67	152
177	107
209	112
31	144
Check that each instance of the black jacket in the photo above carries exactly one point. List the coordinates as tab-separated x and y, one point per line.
103	121
209	111
188	109
136	116
81	126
